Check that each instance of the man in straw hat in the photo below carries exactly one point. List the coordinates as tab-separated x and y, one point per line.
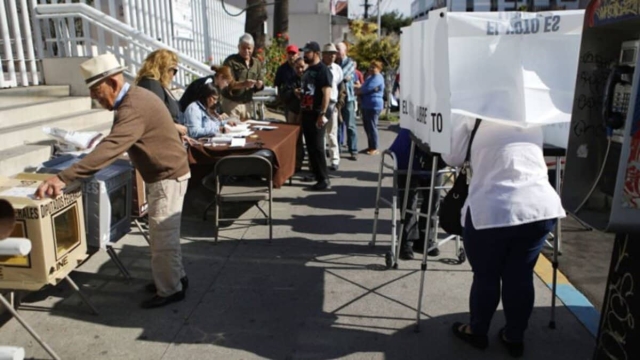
143	128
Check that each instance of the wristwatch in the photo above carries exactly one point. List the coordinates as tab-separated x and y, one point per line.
322	113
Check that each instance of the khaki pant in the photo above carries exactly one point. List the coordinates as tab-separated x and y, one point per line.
165	212
235	109
332	138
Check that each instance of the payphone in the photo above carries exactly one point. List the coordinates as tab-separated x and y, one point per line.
601	164
602	172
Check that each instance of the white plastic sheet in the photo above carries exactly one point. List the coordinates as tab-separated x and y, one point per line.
510	67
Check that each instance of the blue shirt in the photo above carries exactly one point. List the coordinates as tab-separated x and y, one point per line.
199	122
372	99
349	70
121	94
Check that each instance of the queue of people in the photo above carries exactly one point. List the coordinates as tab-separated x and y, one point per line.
510	209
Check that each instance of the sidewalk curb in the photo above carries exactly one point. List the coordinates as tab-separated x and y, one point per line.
571	297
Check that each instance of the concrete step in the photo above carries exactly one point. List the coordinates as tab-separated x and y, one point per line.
41	110
27	157
35	91
23	158
32	132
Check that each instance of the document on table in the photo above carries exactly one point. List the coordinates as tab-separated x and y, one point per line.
257	122
238	142
263	127
27	192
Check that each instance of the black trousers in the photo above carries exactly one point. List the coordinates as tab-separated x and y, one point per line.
314	138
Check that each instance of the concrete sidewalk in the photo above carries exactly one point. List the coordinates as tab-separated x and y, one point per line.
317	292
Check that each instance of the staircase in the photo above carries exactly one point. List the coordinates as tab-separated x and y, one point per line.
23	113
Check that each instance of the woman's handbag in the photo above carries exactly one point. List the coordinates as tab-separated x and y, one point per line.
451	208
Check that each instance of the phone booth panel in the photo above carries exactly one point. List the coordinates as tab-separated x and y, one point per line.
602	173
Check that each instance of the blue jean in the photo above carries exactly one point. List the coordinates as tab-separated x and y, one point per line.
349	121
370	122
502	260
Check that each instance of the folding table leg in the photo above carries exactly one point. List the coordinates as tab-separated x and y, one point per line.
26	326
144	233
116	260
84	298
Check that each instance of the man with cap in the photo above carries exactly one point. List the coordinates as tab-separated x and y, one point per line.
285	79
315	96
143	128
329	52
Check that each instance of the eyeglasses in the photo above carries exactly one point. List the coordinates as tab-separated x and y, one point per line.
174	70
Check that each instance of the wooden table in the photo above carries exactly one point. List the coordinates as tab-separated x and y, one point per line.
281	141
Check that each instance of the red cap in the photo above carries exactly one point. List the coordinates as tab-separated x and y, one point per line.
292	49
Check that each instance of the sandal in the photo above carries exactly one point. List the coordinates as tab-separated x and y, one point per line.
514	348
477	341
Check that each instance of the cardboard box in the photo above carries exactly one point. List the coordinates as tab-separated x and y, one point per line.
107	200
55	228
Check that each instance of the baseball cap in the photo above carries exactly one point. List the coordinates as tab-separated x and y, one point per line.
311	46
329	48
292	49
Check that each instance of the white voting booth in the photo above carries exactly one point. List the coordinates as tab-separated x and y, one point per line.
514	68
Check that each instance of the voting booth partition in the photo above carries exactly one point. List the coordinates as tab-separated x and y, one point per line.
517	69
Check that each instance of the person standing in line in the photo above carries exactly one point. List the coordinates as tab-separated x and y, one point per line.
293	105
372	91
329	59
349	109
285	76
143	128
155	74
510	210
315	96
248	79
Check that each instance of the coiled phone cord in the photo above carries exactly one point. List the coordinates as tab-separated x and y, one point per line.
595	183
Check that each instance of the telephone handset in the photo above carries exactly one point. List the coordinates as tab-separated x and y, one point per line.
617	96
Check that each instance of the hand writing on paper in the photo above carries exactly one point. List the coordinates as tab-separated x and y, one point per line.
51	187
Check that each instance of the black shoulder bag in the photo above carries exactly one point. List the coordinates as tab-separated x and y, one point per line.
451	208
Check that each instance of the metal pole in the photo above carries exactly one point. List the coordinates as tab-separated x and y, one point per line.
423	267
26	326
379	22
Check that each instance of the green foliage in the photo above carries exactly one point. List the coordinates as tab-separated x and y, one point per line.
273	56
393	21
367	47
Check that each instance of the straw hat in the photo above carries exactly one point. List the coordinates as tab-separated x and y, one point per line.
329	48
100	67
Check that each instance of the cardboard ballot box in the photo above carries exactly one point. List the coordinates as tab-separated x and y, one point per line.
55	228
107	200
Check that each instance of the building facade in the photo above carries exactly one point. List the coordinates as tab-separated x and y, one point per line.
419	8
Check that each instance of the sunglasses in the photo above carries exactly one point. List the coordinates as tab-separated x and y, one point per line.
174	70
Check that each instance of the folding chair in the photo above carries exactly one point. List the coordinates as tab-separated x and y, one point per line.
240	179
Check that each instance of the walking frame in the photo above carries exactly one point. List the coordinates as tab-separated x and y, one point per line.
391	257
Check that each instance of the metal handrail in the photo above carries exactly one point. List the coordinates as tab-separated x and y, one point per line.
118	28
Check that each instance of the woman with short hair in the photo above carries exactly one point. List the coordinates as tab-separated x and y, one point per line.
372	104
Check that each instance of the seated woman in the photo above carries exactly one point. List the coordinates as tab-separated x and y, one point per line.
199	117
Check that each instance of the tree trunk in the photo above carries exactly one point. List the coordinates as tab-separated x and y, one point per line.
494	5
281	18
254	25
470	5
